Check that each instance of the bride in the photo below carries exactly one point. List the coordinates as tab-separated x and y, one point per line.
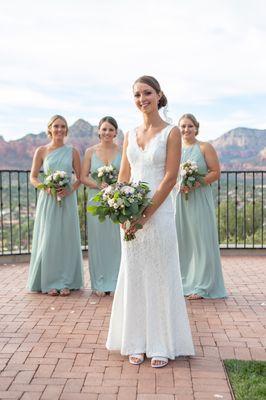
149	314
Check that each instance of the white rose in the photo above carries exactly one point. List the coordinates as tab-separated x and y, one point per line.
108	189
127	190
111	202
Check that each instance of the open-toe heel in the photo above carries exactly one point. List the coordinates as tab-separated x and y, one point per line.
194	296
53	292
65	292
136	359
162	362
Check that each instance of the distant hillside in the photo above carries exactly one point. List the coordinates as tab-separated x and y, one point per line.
238	149
242	149
17	154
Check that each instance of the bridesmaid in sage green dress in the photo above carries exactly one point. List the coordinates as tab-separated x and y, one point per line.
199	253
56	261
103	237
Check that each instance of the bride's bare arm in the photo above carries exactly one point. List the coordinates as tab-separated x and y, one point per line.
171	170
124	172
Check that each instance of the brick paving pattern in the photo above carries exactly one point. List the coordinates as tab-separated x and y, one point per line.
54	347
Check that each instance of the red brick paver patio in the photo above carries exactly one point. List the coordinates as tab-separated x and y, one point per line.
54	347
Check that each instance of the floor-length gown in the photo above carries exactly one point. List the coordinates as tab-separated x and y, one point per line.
149	312
197	236
56	258
103	241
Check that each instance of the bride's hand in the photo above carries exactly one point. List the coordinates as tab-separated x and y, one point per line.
103	185
135	226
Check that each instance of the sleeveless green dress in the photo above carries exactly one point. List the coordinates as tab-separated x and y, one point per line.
103	241
197	235
56	258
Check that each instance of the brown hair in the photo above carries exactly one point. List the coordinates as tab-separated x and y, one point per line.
193	119
152	82
52	120
109	119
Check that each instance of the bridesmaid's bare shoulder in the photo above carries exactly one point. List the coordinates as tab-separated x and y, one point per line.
41	151
92	149
206	147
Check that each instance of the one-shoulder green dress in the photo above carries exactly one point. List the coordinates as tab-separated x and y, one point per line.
199	253
56	258
103	241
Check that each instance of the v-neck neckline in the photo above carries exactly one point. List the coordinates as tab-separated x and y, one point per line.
99	158
151	140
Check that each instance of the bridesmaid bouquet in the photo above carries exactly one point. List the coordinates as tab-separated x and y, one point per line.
55	180
189	175
106	174
122	203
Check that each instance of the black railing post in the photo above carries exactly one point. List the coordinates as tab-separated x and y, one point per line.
245	211
1	202
253	207
28	211
219	211
227	210
236	227
19	212
262	210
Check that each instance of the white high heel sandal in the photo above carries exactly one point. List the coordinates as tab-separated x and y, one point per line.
163	362
138	357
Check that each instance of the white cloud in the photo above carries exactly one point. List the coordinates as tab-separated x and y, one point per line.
82	56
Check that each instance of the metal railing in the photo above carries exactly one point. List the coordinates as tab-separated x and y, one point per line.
239	199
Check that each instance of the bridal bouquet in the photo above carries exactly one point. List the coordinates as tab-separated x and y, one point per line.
107	174
55	180
189	175
123	203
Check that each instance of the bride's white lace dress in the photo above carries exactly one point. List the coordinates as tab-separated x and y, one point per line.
149	312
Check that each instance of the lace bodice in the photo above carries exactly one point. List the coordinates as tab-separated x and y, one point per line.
148	165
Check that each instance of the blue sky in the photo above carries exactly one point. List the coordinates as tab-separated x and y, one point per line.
79	58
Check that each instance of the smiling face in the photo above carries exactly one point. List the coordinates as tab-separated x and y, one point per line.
107	132
146	98
58	130
188	129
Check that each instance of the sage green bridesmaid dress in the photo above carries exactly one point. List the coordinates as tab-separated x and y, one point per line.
103	241
56	258
199	253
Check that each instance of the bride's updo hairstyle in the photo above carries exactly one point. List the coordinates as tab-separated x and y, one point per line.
52	120
193	119
152	82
